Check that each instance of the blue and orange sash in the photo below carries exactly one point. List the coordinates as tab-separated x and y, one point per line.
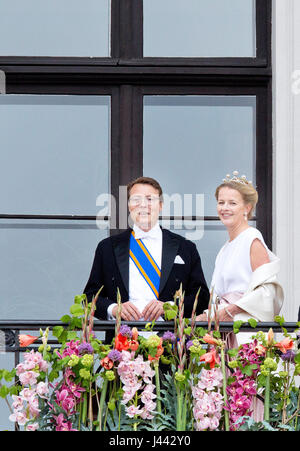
145	263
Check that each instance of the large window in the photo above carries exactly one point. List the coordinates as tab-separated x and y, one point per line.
102	92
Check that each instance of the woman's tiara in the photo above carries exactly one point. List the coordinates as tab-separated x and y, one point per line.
235	178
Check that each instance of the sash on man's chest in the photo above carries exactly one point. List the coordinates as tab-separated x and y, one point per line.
145	263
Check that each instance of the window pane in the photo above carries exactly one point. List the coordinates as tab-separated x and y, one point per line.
192	142
44	266
199	28
209	237
55	28
55	153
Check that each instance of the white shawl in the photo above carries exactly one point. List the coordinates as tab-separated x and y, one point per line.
264	298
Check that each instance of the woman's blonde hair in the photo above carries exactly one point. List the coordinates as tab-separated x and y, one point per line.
246	190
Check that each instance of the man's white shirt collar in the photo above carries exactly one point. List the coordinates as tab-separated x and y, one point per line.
154	233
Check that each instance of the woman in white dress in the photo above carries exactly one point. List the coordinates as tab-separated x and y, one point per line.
245	274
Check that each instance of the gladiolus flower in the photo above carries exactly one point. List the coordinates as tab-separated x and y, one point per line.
285	344
121	343
159	352
210	339
135	333
210	357
26	340
270	337
107	363
133	345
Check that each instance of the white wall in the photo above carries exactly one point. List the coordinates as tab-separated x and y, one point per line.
286	142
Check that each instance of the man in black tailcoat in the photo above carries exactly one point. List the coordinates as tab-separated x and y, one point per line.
146	263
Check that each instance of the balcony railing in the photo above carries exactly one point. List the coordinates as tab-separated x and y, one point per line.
12	328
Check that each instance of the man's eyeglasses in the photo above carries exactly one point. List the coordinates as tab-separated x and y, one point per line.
138	200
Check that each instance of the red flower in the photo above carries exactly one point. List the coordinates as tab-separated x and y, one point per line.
159	352
210	357
210	339
26	340
285	344
107	363
121	343
133	345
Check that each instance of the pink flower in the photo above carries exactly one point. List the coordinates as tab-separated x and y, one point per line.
64	400
146	415
32	427
19	417
28	378
42	389
207	401
33	405
17	403
72	348
62	424
132	410
27	394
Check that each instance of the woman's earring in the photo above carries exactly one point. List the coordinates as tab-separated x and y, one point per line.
245	216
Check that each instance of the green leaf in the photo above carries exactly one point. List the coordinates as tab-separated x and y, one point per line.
65	319
200	331
248	369
57	331
79	298
71	335
14	390
170	315
8	375
188	331
237	325
232	352
252	322
279	319
297	358
217	334
76	310
4	391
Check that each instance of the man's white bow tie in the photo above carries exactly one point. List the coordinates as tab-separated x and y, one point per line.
140	234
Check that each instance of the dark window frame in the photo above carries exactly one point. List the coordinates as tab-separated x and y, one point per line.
126	75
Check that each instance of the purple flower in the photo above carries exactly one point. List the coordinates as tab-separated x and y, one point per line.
169	336
85	348
189	344
289	356
115	355
125	331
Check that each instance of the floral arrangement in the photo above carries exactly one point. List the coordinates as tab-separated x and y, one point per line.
184	380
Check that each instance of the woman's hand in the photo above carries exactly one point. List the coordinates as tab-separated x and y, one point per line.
228	313
202	317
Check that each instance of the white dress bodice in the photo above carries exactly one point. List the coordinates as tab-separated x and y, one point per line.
233	270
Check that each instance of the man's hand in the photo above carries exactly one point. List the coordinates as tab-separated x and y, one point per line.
153	310
129	312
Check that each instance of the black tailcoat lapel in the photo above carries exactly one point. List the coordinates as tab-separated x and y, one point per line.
121	249
170	247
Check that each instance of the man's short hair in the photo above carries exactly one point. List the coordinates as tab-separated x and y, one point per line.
145	181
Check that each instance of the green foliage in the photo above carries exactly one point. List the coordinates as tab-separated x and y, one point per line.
237	325
252	322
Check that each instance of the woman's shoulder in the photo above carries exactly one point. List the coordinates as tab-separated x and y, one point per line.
252	233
